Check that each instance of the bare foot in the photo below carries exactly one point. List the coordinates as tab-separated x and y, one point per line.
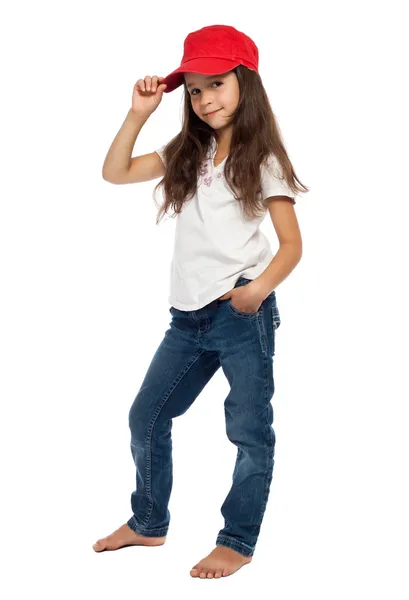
125	536
221	562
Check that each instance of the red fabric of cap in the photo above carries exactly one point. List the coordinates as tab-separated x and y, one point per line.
213	50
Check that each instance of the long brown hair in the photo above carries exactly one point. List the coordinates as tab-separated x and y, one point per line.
255	136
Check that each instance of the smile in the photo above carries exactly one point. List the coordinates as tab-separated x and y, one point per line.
212	113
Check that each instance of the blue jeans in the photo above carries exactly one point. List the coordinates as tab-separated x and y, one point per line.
197	343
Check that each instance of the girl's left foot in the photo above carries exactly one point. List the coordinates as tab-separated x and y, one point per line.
221	562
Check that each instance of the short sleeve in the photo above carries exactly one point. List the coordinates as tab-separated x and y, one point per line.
272	181
161	153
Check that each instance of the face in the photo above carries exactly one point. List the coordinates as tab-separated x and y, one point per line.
209	93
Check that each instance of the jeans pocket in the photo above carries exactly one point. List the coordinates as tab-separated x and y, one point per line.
238	313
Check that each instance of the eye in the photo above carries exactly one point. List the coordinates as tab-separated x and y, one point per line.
194	89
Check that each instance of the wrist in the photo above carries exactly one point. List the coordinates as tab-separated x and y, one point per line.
138	115
260	290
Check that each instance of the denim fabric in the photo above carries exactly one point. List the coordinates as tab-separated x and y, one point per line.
197	343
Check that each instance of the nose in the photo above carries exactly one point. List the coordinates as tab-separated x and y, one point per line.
206	103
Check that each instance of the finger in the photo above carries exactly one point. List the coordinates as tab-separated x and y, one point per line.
157	83
154	83
140	84
148	80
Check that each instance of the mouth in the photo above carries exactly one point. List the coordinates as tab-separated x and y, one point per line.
212	113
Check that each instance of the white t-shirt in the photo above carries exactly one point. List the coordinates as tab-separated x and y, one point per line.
214	245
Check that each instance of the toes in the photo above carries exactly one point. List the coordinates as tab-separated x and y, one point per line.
104	544
203	574
99	545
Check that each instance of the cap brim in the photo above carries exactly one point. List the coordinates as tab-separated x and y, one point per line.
204	66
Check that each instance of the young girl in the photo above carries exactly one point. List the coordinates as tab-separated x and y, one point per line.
221	174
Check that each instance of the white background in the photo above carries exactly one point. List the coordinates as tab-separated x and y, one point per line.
84	305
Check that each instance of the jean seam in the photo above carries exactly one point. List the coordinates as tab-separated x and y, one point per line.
269	478
262	331
269	470
166	397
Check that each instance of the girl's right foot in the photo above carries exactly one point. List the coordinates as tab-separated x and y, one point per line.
125	536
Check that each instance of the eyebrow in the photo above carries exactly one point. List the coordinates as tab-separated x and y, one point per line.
208	77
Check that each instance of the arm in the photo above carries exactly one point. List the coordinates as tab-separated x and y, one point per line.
290	251
119	167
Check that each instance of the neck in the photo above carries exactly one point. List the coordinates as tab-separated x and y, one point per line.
223	140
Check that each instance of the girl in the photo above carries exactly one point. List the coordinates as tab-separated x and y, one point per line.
220	174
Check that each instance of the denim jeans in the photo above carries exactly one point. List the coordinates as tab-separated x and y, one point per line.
197	343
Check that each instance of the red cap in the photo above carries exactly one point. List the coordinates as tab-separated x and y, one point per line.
213	50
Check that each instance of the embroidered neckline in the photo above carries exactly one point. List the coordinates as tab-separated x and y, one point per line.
207	166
